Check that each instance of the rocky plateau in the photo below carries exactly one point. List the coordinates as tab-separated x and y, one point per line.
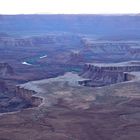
69	77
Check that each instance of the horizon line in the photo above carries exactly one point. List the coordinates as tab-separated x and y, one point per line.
105	14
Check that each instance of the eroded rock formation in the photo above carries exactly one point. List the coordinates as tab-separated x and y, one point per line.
111	50
28	95
105	74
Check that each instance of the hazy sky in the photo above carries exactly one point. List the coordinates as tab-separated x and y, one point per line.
69	6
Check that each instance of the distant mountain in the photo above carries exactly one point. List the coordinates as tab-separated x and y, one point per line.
102	26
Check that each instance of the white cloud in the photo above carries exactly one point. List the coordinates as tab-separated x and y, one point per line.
69	6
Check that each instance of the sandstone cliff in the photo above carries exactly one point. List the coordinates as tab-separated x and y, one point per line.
105	74
28	95
111	50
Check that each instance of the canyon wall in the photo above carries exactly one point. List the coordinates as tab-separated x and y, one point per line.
101	75
112	67
28	95
129	77
111	51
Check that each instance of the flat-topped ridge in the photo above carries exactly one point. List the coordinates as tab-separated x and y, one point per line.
105	74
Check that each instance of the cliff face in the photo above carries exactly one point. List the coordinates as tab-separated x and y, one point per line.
33	41
106	46
111	50
9	101
23	42
28	96
6	69
101	75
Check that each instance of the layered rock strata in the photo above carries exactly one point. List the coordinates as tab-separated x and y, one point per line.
105	74
28	95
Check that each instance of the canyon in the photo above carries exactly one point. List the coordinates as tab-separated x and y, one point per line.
69	77
71	111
